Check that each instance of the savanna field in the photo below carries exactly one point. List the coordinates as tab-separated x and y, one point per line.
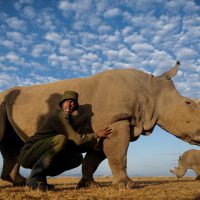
157	188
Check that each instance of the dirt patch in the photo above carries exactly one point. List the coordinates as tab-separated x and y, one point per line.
150	188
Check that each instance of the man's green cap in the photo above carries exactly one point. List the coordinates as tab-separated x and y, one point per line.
70	95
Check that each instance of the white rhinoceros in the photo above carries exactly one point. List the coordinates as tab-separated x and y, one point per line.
129	100
189	160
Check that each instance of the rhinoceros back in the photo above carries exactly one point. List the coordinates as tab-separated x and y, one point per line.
104	96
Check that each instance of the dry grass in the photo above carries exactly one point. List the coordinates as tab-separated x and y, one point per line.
151	188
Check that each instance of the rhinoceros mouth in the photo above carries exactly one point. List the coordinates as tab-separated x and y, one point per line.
194	139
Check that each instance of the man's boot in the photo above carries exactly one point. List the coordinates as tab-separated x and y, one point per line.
48	186
37	178
36	183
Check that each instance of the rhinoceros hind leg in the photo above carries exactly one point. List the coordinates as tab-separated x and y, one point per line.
10	147
10	171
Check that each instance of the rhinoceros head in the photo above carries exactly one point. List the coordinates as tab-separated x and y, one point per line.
177	114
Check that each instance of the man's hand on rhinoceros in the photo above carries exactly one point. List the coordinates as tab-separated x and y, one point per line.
103	133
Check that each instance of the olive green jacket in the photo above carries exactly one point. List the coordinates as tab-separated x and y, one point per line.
58	123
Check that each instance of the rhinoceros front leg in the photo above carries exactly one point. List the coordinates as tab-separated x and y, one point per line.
90	163
178	171
115	148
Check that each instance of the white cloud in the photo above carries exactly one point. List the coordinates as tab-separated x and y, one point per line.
161	61
87	38
111	54
42	79
174	5
190	7
101	6
71	52
143	50
113	12
7	43
115	38
166	28
90	56
47	20
186	53
134	38
38	50
15	23
18	5
2	58
104	29
29	12
79	25
16	36
6	81
127	30
53	59
80	7
20	40
7	68
144	5
142	47
65	5
193	78
12	57
53	36
65	43
128	57
94	21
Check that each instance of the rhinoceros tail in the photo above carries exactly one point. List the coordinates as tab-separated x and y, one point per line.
2	116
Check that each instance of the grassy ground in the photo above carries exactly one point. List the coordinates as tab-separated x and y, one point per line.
158	188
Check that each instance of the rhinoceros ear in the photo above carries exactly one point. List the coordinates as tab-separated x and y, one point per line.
172	72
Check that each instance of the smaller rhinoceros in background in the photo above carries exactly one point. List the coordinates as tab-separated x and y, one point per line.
197	101
189	160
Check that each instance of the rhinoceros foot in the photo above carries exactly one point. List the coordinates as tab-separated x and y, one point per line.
19	181
84	183
126	185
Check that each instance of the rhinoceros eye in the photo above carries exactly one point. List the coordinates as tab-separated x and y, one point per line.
188	102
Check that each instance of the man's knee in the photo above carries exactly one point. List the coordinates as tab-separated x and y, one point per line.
59	142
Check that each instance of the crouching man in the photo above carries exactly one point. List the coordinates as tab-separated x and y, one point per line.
55	147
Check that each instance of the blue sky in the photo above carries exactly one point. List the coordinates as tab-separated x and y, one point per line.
44	41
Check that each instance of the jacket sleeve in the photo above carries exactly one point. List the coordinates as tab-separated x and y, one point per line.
63	126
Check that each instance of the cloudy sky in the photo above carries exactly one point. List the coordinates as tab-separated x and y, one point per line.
44	41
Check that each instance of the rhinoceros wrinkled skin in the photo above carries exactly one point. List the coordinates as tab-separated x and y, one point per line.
188	160
130	101
197	101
